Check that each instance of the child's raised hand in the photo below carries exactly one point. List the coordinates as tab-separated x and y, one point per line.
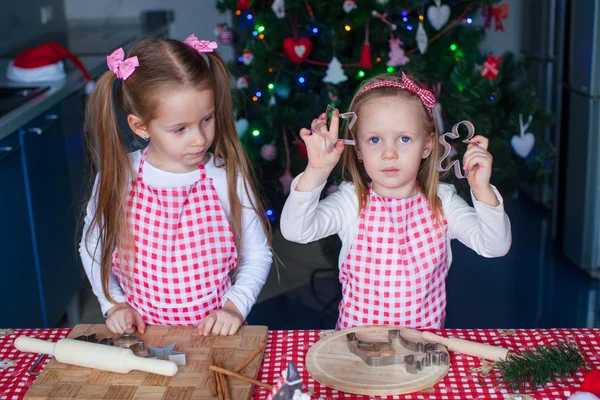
319	156
124	320
321	160
222	322
478	161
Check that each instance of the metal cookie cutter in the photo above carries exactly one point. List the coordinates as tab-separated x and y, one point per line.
379	354
93	339
130	342
166	353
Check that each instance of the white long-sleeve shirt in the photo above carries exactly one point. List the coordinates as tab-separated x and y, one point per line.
305	219
254	256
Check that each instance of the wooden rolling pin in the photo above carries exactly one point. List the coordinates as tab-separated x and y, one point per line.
94	355
474	349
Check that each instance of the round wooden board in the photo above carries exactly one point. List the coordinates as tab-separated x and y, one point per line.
331	364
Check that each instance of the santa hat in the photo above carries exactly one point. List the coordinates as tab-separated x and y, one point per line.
590	388
45	63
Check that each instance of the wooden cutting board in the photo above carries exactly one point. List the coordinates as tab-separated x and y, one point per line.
191	381
330	362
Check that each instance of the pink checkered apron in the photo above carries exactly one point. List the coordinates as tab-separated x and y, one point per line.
395	272
185	250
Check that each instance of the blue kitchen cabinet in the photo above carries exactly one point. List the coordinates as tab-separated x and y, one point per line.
19	291
43	186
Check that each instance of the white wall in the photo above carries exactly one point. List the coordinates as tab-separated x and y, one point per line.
498	42
191	16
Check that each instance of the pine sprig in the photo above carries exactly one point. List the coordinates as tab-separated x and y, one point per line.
537	367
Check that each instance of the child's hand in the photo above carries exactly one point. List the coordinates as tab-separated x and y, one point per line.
321	160
222	322
124	319
478	161
319	157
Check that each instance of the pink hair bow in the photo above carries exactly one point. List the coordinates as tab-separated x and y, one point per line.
201	46
122	68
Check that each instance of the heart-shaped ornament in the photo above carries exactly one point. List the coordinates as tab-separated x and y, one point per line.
297	50
438	15
522	145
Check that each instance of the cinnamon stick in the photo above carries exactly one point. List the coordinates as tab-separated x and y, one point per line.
249	358
240	377
211	376
219	388
224	385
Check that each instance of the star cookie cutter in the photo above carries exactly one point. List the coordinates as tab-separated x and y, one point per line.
458	171
380	354
347	121
166	353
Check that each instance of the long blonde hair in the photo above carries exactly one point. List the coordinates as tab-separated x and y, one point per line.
164	64
428	177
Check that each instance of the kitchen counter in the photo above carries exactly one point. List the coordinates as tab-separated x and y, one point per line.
463	381
92	41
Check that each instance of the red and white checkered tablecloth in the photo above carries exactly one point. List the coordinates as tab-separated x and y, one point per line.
459	384
15	381
285	346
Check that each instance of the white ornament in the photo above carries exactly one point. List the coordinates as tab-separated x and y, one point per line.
272	102
382	2
247	57
349	5
278	8
421	38
523	144
584	396
438	14
242	82
335	72
241	126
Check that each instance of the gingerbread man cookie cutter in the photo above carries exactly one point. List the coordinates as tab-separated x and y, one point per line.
379	354
458	170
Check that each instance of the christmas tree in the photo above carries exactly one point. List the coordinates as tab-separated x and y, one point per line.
298	56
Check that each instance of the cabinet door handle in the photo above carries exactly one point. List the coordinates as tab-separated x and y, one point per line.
7	151
35	130
52	118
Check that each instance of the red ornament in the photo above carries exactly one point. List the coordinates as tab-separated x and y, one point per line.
365	56
490	67
301	147
297	50
498	13
243	4
591	383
